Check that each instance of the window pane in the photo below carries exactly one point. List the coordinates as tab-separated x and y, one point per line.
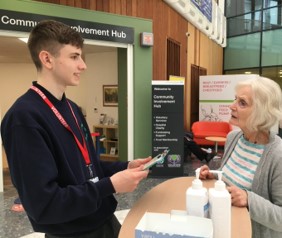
272	48
269	3
244	24
237	7
272	18
242	52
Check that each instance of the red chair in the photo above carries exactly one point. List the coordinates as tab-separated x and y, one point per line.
203	129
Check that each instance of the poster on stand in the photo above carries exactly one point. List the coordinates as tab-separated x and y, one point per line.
217	92
168	127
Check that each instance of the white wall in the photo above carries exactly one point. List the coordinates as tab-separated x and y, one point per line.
101	69
15	80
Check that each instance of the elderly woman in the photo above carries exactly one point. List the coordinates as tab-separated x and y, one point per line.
252	160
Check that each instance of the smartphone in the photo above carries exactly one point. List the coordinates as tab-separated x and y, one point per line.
160	157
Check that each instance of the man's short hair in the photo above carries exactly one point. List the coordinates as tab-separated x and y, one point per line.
51	35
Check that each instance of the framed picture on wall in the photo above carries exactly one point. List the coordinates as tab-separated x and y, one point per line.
110	95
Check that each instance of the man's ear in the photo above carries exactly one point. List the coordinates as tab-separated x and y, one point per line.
46	59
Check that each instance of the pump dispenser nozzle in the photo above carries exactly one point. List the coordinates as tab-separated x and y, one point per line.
197	171
197	183
219	185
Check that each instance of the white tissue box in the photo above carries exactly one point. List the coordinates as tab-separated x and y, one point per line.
177	224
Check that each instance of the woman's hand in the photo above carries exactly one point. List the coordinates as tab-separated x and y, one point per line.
205	174
239	197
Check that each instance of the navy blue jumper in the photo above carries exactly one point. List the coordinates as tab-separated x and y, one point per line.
48	169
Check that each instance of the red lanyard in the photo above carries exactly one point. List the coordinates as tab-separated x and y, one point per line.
83	148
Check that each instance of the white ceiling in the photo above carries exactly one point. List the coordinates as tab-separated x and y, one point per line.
13	50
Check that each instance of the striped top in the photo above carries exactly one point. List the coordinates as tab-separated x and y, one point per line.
239	170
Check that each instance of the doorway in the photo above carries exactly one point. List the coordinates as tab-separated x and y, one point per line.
196	72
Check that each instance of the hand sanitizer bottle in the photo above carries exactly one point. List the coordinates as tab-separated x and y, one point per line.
220	208
197	203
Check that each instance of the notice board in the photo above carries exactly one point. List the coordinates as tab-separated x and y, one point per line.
168	126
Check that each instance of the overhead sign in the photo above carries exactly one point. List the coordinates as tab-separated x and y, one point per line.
205	7
24	22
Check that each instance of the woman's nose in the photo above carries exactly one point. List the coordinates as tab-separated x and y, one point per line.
232	106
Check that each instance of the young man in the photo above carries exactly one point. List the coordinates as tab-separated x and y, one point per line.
65	190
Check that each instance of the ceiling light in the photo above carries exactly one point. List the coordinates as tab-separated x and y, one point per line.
24	39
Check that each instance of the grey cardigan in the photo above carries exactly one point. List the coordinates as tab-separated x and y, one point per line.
265	197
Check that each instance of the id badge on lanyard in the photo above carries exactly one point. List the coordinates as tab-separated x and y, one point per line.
92	179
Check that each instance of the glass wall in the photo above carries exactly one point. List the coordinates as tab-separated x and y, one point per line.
239	7
244	24
271	53
269	3
272	18
242	52
254	38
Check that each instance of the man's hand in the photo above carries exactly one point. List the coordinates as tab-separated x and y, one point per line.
138	162
128	180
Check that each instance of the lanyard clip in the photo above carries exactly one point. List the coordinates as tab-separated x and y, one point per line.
90	170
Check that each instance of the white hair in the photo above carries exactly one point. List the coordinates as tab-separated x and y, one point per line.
267	101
